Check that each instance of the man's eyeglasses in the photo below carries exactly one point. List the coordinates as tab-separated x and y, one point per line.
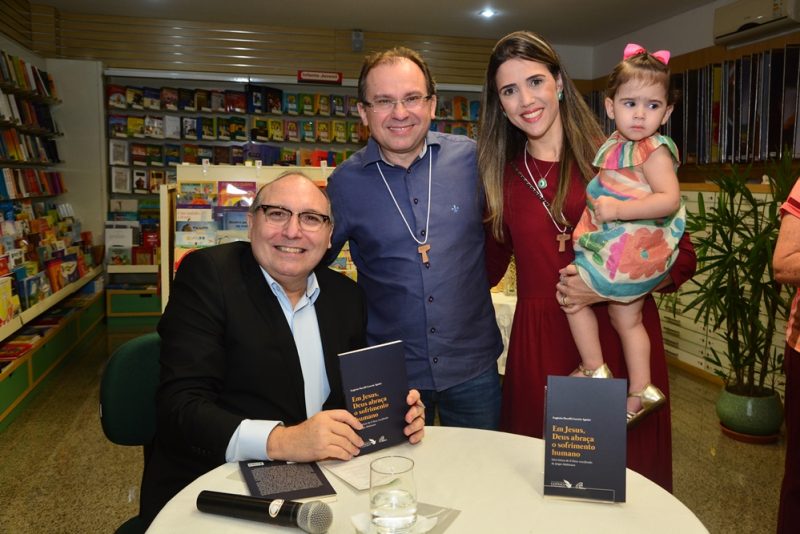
309	221
385	104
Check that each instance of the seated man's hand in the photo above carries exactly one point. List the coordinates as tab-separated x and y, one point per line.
328	434
415	417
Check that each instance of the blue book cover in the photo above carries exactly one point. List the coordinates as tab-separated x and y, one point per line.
375	388
584	438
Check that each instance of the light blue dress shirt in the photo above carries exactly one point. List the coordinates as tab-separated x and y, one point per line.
250	439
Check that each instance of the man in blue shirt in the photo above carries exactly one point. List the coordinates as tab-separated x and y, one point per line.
411	206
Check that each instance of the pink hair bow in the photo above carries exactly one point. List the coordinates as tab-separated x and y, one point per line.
632	49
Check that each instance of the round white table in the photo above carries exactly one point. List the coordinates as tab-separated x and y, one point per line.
495	479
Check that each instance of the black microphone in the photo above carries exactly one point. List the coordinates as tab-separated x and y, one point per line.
314	517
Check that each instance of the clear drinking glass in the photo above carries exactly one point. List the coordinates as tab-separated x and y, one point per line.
392	494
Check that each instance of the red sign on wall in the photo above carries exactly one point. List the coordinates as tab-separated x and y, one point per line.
317	76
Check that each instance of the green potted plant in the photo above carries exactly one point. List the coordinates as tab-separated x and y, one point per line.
735	295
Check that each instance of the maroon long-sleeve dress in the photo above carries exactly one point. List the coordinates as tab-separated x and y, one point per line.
541	343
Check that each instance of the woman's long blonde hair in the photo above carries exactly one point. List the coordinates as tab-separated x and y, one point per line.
500	142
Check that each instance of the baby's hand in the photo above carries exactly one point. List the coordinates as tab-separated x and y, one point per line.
606	209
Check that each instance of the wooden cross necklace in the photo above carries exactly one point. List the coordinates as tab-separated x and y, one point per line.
424	246
562	237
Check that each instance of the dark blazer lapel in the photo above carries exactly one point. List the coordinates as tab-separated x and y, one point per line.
267	305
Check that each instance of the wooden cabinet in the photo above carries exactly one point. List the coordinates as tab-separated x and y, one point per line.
20	378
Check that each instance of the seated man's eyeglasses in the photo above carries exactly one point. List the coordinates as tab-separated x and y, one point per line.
385	104
309	221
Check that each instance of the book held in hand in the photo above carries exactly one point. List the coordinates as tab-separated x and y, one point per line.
584	438
375	386
286	480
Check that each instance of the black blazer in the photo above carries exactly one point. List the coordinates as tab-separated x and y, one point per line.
227	354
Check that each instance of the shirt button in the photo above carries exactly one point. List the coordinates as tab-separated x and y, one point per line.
430	299
427	265
433	330
416	201
422	233
436	360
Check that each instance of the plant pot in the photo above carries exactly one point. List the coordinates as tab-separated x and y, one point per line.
756	416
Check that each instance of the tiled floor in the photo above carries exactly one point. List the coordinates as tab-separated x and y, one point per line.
60	475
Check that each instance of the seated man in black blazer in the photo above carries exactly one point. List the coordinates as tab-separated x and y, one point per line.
249	349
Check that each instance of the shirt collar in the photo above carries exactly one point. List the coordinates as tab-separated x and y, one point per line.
312	286
374	154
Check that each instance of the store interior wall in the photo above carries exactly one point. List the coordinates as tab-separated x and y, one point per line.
81	114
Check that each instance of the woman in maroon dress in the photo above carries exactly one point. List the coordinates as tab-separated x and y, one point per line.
537	140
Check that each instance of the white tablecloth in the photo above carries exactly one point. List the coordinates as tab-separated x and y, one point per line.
495	479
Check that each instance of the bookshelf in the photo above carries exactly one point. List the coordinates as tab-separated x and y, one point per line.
229	122
50	293
737	106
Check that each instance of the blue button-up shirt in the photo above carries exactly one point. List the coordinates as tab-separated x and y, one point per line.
442	309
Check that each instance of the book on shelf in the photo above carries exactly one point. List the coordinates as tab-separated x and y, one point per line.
305	105
273	101
308	131
460	108
322	104
238	128
198	214
186	99
231	218
202	100
172	154
237	155
135	126
207	128
275	128
203	194
189	153
118	125
155	177
255	98
323	131
375	387
223	129
290	104
121	180
352	105
172	127
122	205
291	130
774	127
235	193
338	106
222	155
116	97
205	154
154	126
151	98
141	182
235	101
138	154
286	480
217	99
169	98
189	127
134	97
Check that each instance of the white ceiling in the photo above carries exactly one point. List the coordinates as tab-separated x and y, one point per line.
566	22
